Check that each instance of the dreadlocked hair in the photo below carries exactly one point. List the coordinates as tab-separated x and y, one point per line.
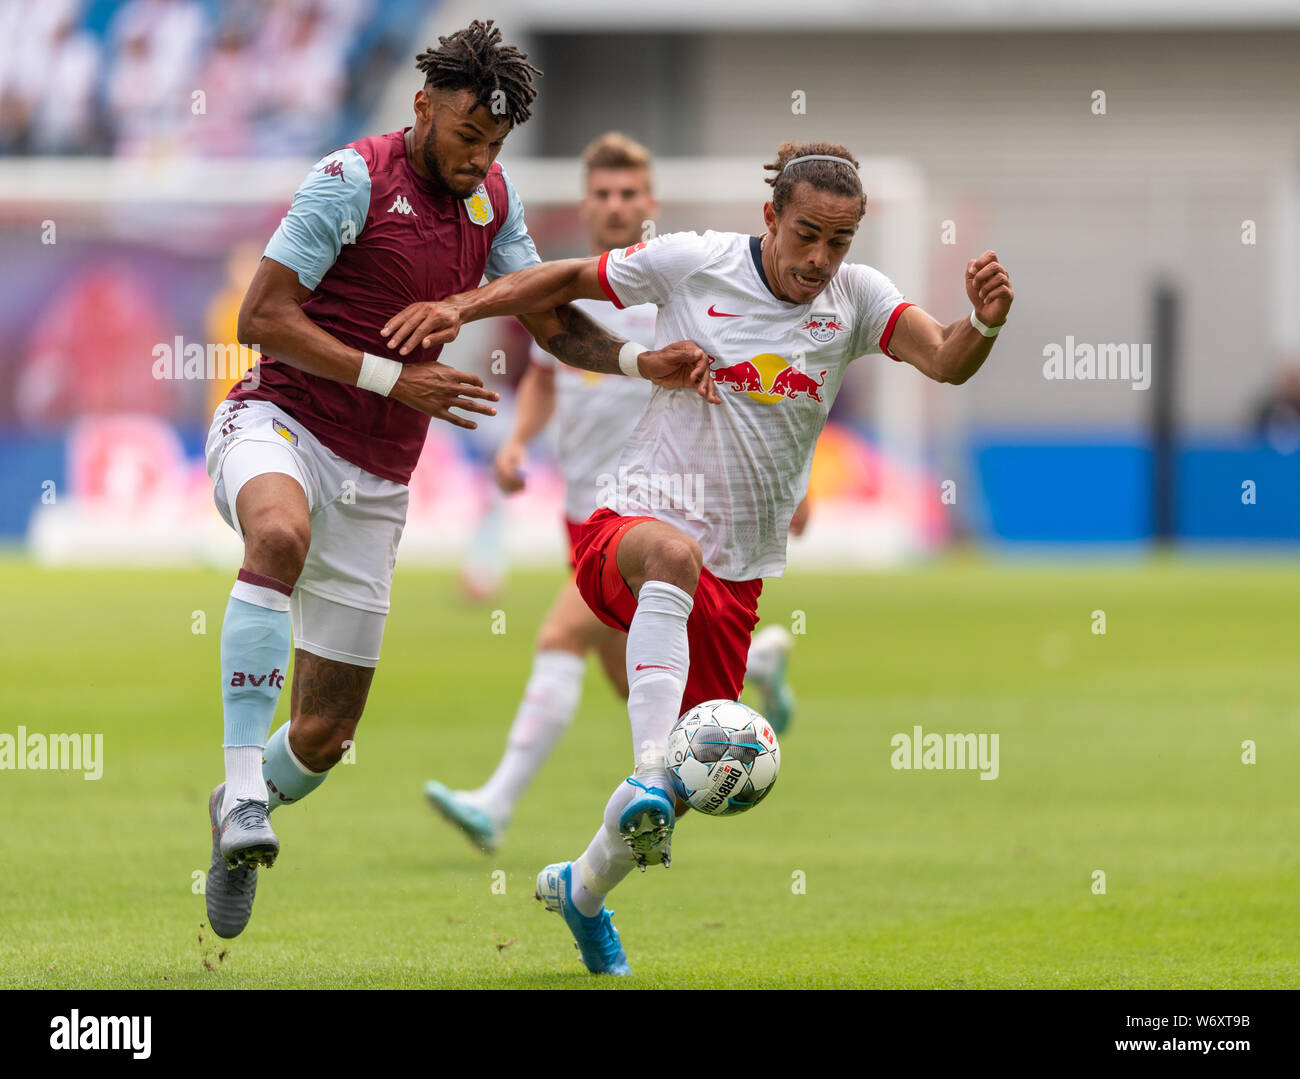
829	176
474	59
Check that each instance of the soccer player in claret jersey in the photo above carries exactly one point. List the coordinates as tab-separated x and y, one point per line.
781	315
310	457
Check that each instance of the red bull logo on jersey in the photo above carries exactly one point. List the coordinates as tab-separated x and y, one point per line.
822	328
769	379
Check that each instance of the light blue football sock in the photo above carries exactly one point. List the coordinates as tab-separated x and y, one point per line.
287	778
255	638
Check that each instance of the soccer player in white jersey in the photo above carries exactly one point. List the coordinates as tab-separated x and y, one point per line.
594	415
781	315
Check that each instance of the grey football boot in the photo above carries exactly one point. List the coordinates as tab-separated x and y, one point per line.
241	842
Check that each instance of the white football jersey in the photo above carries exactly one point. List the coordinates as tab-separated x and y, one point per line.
731	475
595	413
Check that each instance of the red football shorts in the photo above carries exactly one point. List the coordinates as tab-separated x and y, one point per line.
721	621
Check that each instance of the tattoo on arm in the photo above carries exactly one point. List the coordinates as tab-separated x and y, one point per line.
584	343
327	688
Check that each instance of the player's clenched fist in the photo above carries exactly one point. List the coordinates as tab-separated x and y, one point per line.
432	388
681	364
988	287
508	467
426	323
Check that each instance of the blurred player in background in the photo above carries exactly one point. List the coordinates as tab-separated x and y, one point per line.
595	414
781	316
310	459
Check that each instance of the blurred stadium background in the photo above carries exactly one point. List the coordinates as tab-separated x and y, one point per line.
150	147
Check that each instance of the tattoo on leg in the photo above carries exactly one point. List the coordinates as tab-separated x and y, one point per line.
327	688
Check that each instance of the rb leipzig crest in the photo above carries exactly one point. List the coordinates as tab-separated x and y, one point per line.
823	327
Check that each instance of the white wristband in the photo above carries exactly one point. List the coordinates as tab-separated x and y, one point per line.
378	374
627	358
987	331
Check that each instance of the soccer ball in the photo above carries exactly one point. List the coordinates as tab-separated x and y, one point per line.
723	758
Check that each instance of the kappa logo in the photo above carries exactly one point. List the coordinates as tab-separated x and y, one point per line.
401	206
274	680
334	168
284	432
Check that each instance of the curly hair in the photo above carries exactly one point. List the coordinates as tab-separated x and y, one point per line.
474	59
823	175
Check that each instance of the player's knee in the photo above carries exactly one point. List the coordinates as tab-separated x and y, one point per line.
556	635
677	560
278	548
320	744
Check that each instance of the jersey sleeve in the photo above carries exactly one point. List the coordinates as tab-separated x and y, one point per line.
328	210
648	272
878	304
512	247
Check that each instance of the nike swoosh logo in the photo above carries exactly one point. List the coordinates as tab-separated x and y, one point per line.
657	666
720	314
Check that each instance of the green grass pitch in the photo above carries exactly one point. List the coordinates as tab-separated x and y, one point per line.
1119	752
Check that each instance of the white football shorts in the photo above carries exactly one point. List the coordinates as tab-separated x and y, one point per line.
341	599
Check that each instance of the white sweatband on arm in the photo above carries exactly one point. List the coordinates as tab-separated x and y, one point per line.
627	358
987	331
378	374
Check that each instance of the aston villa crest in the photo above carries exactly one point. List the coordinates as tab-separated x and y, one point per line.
479	206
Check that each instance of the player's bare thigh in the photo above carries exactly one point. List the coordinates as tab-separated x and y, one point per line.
570	626
276	524
655	551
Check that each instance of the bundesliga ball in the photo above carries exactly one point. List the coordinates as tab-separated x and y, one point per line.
723	758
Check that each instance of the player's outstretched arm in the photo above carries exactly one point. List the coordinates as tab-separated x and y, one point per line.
271	319
580	341
540	296
537	288
953	353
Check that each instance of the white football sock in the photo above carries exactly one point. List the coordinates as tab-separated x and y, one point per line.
607	859
243	776
550	701
658	660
